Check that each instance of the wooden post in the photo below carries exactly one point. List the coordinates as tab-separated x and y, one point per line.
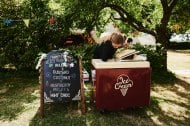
82	88
42	90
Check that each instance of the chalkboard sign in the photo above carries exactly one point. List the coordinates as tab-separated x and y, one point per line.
61	77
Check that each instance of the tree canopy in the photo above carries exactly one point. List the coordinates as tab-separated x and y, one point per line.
180	19
149	16
144	15
51	19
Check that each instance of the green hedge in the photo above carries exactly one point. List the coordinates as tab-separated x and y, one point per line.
179	45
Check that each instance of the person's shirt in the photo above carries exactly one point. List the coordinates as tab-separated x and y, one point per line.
104	51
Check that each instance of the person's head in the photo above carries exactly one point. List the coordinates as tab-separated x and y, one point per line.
117	40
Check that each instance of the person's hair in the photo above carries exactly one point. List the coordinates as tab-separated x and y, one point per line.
117	38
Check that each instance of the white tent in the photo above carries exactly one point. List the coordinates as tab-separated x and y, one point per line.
109	29
145	39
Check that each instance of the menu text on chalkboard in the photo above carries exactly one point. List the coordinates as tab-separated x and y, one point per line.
61	77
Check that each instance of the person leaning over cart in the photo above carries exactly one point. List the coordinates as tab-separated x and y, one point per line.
107	49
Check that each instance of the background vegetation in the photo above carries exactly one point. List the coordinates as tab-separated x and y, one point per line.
52	19
20	46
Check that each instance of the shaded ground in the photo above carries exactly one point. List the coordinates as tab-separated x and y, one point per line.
170	104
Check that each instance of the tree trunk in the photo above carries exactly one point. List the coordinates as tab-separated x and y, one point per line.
162	38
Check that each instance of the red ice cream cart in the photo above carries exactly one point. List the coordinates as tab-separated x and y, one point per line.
119	85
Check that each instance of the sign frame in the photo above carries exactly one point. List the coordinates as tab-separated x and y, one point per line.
41	80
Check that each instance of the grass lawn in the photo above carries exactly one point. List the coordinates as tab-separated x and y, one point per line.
19	106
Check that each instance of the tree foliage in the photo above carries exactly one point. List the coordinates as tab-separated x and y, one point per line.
149	16
180	19
20	45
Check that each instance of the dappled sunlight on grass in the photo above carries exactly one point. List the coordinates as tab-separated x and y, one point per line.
181	89
155	118
23	118
172	104
20	101
167	95
15	97
175	111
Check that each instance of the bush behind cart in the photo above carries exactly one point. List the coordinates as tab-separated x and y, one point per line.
155	57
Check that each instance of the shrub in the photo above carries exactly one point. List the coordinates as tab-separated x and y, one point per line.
156	55
84	51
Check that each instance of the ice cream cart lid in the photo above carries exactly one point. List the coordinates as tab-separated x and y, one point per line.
99	64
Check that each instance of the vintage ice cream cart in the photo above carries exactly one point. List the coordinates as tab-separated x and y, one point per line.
119	85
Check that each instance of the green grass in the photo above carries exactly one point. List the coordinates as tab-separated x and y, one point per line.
68	114
14	92
19	95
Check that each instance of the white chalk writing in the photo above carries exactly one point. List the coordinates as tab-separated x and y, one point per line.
123	83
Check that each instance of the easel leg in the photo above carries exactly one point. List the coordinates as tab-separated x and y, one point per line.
82	89
41	92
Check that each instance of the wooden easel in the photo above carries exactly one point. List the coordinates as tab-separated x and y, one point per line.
82	88
41	89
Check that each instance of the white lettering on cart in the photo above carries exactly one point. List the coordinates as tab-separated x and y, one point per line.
123	83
